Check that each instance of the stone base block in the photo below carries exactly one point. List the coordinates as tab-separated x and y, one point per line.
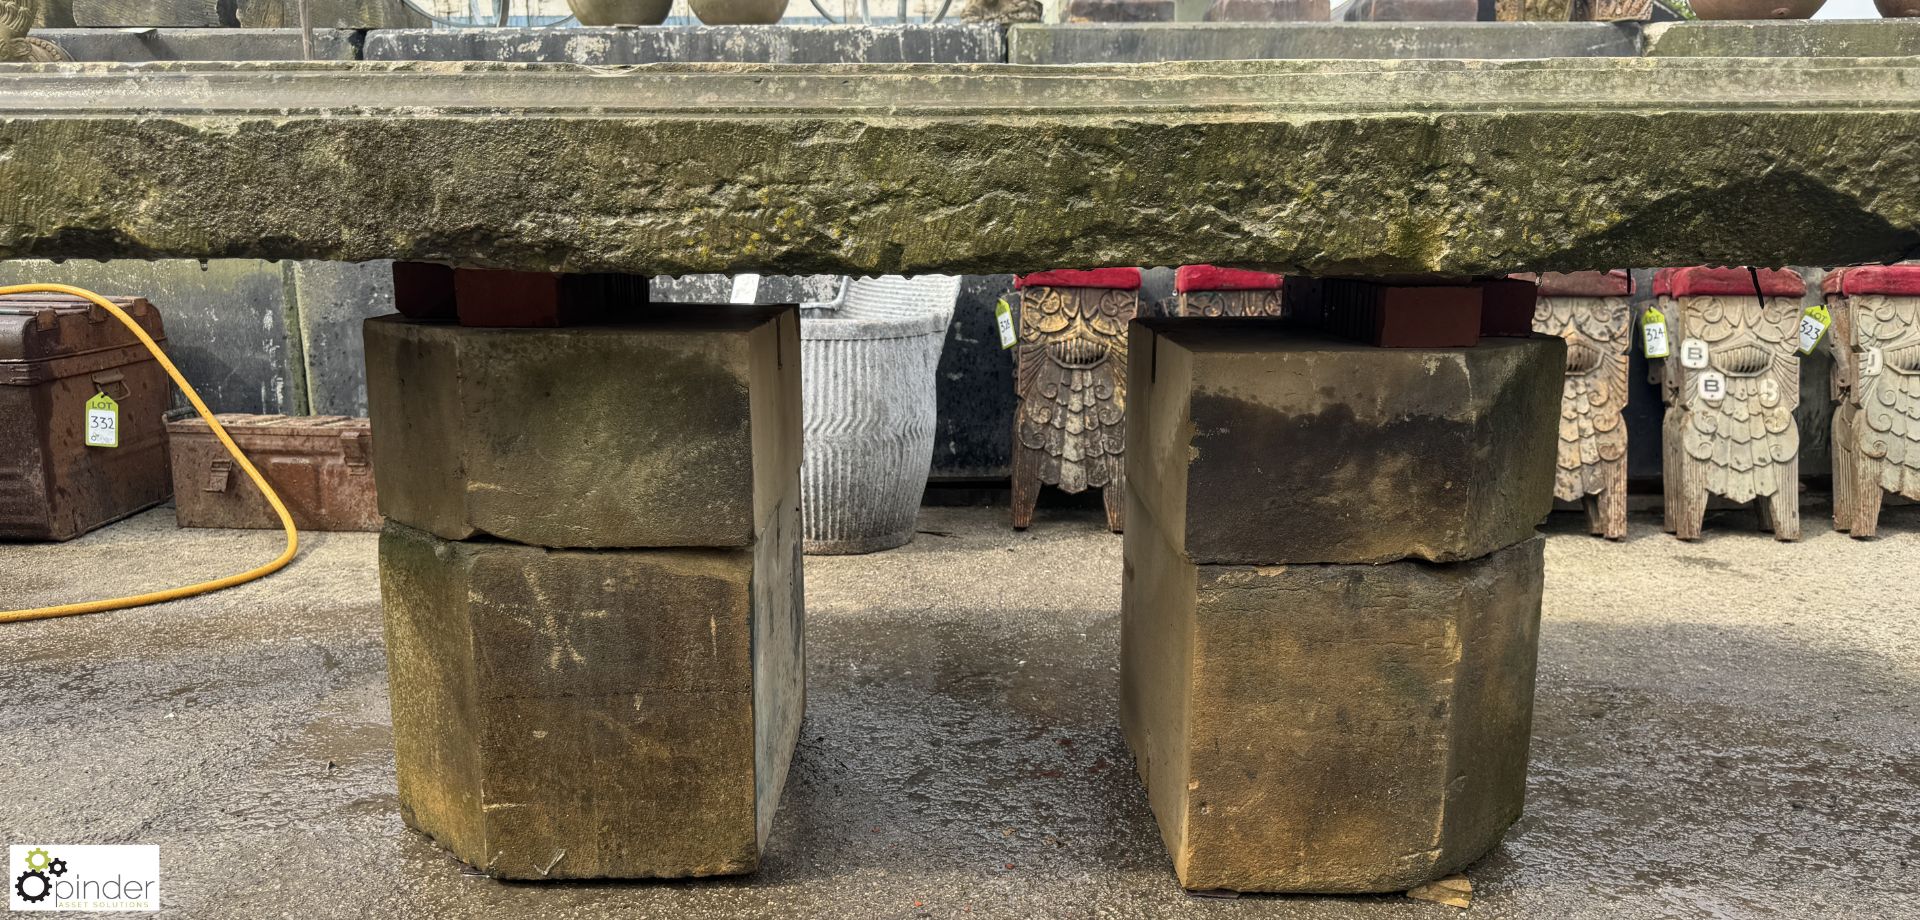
678	429
610	714
1120	10
1327	728
1255	444
1413	11
1267	11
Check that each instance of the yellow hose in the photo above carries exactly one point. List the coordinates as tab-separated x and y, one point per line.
171	594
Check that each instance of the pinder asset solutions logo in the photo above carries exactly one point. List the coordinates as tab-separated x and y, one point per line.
95	878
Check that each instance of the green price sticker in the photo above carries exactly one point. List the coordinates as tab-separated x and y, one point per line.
1653	332
1813	327
103	421
1003	315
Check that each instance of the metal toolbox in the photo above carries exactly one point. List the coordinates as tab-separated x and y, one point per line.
320	466
56	354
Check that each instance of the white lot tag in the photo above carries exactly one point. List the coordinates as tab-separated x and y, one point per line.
103	421
1653	329
1869	361
1713	387
1003	315
1693	354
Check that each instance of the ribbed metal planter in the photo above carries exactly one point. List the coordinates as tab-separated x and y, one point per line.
867	372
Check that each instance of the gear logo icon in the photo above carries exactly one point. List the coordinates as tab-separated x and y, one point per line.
33	886
57	867
36	860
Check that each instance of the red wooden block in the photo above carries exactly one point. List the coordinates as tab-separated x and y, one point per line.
1506	306
1396	314
1190	278
544	299
1122	279
423	290
1710	281
1896	280
1614	283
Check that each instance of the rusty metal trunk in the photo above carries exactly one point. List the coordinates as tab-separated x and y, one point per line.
318	464
56	353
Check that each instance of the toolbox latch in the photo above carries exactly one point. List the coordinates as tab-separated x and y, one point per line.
353	449
112	383
218	472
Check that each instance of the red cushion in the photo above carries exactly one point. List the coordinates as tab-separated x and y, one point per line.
1123	279
1615	283
1663	282
1704	281
1899	280
1188	278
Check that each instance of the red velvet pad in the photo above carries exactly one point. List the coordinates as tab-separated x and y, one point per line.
1122	279
1898	280
1702	281
1190	278
1615	283
1663	282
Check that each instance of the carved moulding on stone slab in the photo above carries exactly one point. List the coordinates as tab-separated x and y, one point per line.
1071	378
1206	290
1591	312
1875	341
1731	382
1613	10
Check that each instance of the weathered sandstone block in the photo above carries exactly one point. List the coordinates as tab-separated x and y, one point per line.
1260	444
1327	728
679	429
1459	167
594	714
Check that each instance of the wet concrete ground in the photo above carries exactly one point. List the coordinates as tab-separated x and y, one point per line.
1724	729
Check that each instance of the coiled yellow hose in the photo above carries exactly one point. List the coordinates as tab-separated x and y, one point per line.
171	594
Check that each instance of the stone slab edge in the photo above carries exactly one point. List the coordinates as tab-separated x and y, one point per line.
980	43
1470	167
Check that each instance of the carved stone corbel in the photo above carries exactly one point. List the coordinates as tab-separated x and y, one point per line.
1205	290
1875	342
1071	377
1591	312
1731	383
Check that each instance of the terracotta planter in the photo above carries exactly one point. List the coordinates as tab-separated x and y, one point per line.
1759	9
1898	9
739	12
620	12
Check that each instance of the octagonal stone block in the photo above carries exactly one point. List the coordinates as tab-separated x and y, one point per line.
1252	443
1328	728
594	714
680	428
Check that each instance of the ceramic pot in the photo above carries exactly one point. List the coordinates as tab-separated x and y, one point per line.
1757	9
620	12
1898	9
739	12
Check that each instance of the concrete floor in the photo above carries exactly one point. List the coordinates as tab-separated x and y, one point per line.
1724	729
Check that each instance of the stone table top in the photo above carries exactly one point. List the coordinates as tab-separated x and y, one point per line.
1353	166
